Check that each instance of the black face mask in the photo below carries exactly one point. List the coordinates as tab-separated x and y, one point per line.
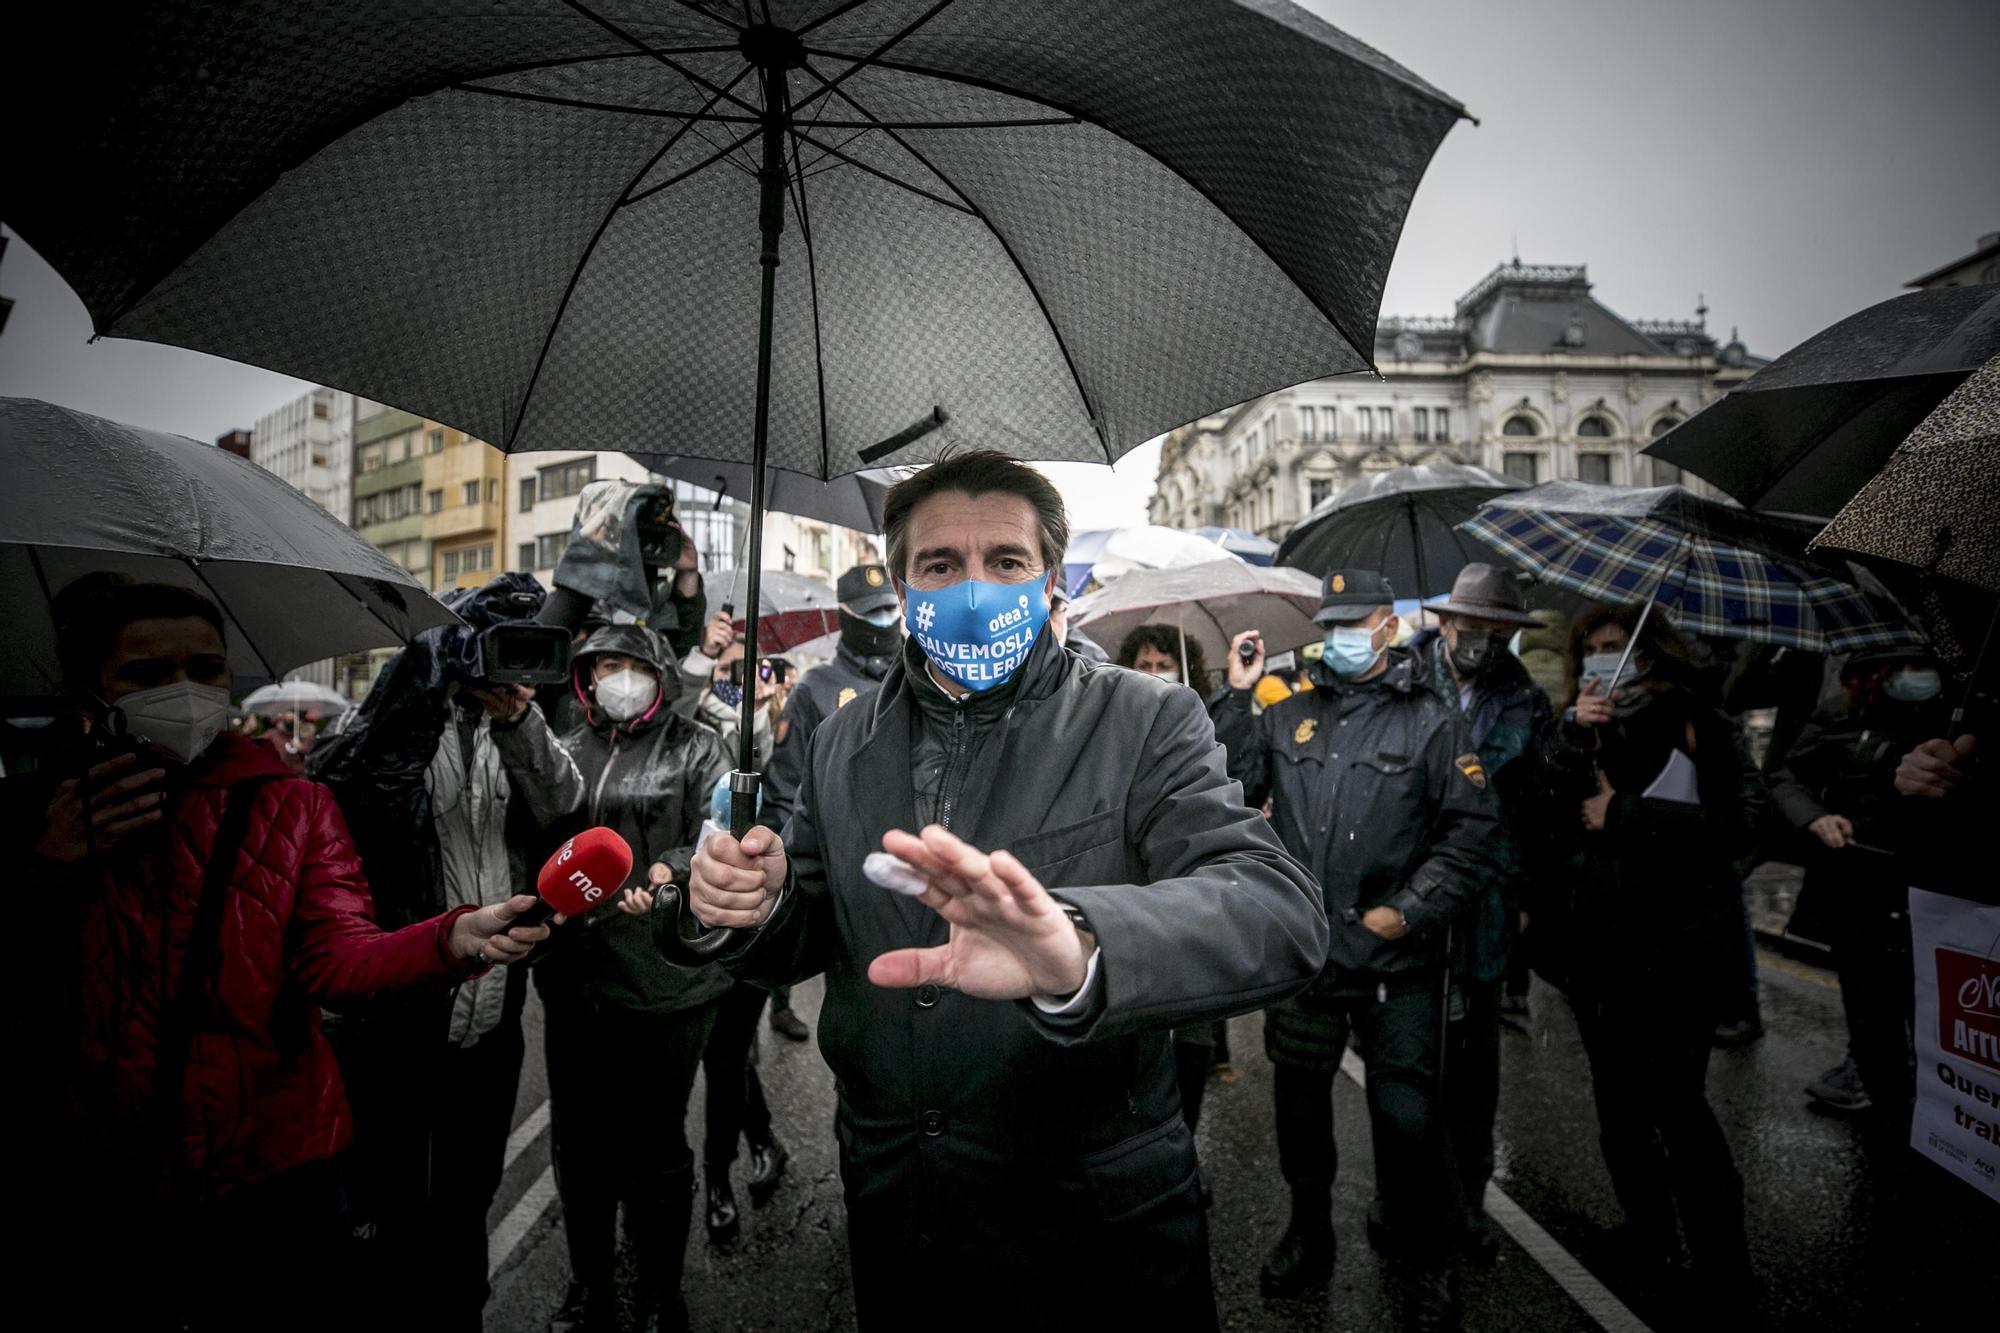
1476	651
866	640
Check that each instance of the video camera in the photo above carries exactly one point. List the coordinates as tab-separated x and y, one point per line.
653	524
517	652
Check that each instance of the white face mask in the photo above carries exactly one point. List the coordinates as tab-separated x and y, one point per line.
623	695
1913	685
1171	673
180	720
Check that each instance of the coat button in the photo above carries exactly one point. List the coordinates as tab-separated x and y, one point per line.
927	995
933	1123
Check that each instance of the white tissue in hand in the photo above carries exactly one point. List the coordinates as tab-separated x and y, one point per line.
894	874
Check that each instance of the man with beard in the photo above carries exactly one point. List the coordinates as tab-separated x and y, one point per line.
1467	664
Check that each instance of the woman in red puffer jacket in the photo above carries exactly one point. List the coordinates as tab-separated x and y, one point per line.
211	1188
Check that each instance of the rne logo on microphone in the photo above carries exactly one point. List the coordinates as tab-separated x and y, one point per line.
591	893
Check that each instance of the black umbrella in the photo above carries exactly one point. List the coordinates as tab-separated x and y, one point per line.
85	495
1402	523
1806	432
1032	224
852	501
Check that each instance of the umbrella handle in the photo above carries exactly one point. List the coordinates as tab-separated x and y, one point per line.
689	943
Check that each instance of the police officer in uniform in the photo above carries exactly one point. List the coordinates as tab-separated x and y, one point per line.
1376	787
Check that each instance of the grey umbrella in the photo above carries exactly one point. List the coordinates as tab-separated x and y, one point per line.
1402	523
1806	432
87	495
1209	604
1935	506
791	608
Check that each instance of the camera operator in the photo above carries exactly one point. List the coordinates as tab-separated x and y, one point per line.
450	779
629	561
202	902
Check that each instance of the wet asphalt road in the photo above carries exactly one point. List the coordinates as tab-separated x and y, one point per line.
1848	1233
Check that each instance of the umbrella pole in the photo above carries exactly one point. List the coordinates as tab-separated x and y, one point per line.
1972	680
745	781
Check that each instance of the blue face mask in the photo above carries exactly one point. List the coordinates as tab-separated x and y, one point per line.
977	633
1349	651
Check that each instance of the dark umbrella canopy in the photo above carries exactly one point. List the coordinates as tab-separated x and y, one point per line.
853	501
1403	523
539	220
1806	432
1936	505
84	494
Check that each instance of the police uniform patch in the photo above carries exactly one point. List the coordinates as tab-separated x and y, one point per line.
874	577
1304	733
846	698
1475	771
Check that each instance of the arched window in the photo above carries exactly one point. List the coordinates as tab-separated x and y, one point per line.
1519	424
1663	425
1594	427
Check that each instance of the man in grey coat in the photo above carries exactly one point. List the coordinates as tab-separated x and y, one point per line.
1010	1135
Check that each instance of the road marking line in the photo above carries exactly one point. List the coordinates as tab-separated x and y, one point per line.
530	1130
1576	1281
520	1219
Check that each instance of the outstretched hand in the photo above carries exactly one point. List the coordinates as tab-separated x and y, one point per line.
1009	938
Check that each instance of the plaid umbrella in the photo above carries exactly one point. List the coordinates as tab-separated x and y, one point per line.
1715	568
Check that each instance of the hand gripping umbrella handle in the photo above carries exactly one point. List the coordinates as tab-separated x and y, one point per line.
687	942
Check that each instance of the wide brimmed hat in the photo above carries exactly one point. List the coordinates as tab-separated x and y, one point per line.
1489	593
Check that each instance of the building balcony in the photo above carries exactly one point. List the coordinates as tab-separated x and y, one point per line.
462	520
408	528
407	473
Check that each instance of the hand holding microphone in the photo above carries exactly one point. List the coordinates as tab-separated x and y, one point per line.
584	873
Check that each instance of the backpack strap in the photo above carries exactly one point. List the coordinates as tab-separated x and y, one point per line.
198	966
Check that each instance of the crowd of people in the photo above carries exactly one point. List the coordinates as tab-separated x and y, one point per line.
282	1020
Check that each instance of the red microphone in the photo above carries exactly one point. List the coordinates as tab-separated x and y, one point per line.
584	873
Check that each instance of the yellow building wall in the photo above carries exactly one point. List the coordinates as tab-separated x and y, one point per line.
466	534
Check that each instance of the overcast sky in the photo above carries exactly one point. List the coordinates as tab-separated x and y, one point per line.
1791	160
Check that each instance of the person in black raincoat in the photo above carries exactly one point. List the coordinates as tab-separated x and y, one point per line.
1836	787
624	1030
1467	664
1651	798
448	781
1375	785
1010	1138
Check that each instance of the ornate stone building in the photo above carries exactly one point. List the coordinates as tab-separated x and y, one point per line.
1530	376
